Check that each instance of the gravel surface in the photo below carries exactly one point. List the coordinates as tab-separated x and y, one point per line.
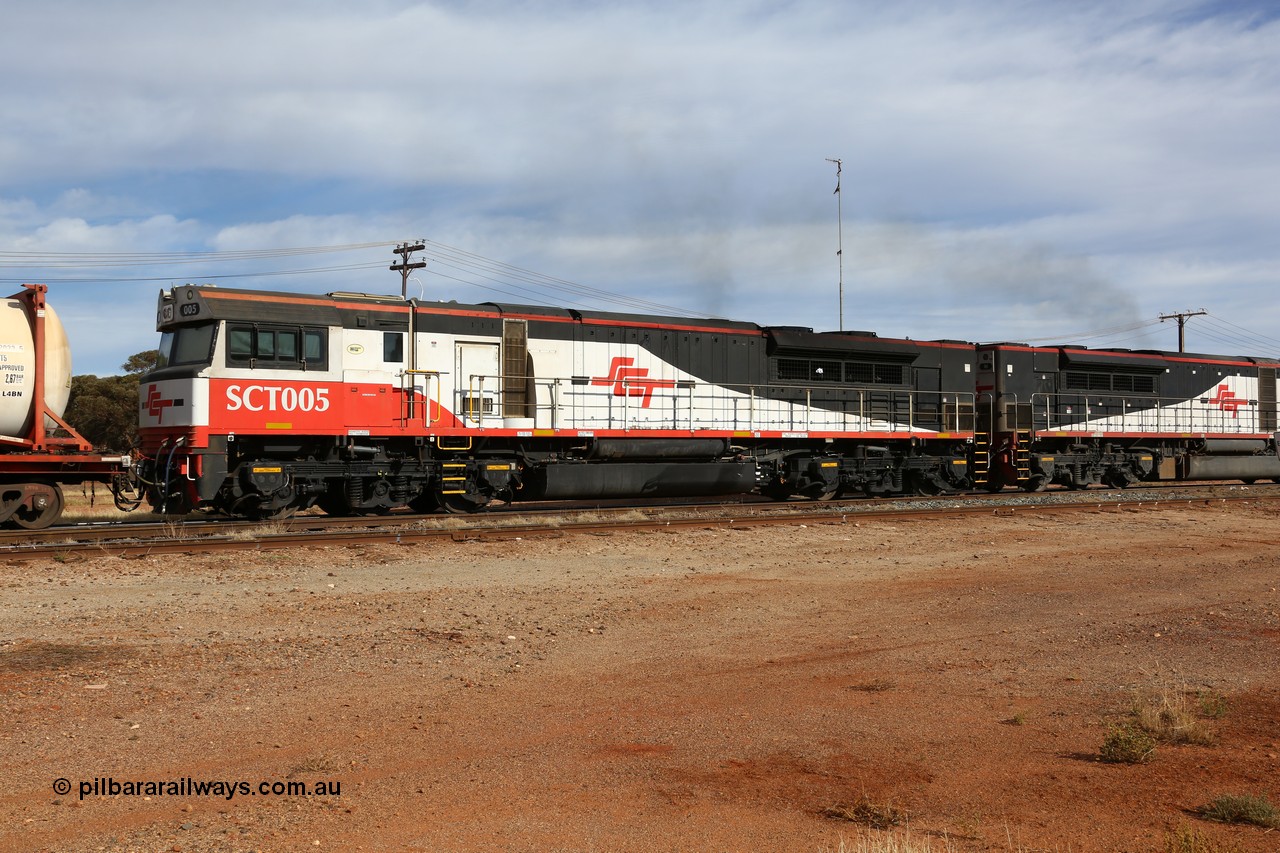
713	689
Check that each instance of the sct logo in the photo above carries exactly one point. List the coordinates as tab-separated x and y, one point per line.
277	398
154	405
628	381
1226	400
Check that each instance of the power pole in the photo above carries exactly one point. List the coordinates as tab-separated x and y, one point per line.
404	250
1182	317
839	233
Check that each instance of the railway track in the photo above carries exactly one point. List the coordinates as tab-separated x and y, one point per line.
134	539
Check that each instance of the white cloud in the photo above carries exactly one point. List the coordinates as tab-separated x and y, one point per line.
1008	166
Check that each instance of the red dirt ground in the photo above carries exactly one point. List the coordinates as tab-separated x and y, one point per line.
713	690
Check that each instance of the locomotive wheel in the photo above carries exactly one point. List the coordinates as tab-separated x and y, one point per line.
1036	484
276	514
334	505
458	504
926	485
40	517
425	502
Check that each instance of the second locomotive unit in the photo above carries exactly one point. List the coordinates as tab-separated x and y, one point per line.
266	403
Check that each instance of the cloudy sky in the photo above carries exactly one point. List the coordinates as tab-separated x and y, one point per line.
1011	170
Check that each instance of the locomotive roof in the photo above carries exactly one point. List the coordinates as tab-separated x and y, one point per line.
798	339
276	306
1079	354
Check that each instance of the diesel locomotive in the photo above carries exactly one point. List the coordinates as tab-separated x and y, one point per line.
266	403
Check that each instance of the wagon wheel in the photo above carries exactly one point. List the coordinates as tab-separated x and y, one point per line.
45	507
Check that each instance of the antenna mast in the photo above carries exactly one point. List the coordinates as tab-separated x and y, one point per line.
839	233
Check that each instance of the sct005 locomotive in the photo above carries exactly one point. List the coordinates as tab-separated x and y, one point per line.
266	403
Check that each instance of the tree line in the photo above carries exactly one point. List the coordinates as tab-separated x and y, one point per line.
104	409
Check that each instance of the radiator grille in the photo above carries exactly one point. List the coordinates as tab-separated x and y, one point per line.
1267	399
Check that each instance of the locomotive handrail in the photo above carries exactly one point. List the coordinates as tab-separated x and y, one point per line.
1076	412
426	393
645	403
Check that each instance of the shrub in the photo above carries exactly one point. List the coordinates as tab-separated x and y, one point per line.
1127	744
1244	808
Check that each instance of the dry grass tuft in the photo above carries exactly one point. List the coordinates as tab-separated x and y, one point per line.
867	813
1187	839
1169	716
264	530
897	841
90	502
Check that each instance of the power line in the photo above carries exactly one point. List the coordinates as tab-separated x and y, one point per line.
519	282
1182	317
1241	334
71	260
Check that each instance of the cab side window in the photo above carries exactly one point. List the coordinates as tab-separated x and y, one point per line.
265	346
393	346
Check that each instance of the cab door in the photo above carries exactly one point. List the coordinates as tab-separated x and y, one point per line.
478	376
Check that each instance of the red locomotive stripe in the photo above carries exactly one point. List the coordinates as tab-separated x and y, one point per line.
198	437
301	300
1086	433
586	432
1135	355
1177	358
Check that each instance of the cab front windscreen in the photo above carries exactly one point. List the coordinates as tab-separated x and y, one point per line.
186	345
